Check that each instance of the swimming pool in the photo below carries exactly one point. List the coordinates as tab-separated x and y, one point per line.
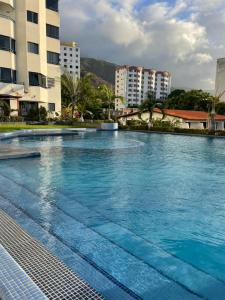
139	216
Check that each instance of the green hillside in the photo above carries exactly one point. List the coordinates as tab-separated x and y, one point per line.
102	69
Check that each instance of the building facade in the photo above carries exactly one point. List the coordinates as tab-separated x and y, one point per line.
134	84
70	58
220	79
29	55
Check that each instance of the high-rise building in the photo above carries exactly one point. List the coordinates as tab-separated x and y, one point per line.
29	55
220	79
70	58
134	84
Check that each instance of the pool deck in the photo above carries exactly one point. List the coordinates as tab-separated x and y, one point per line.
46	271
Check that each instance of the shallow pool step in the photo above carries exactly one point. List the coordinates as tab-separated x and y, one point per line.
107	257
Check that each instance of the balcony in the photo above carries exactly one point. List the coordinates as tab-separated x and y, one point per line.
11	89
7	10
8	2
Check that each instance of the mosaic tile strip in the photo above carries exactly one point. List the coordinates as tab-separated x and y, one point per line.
54	279
15	284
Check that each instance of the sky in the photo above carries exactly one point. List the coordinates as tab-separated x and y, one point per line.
184	37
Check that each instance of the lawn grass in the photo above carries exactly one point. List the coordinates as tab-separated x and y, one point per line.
13	127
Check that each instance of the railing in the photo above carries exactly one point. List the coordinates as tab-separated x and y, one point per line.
7	17
8	2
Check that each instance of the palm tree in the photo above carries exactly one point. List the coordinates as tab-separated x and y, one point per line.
108	97
69	85
149	105
77	93
212	114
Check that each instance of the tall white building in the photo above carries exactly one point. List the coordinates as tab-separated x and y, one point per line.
220	79
134	83
70	58
29	55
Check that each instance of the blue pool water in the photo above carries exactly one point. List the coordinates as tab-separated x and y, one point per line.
139	216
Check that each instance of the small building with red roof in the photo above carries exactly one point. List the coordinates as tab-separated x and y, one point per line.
184	118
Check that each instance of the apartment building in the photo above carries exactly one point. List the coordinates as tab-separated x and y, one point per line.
29	55
220	79
70	58
134	83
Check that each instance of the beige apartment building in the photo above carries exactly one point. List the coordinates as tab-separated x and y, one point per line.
29	55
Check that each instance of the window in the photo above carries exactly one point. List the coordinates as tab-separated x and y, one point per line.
51	82
33	48
7	44
7	75
51	107
65	60
32	17
37	79
53	58
52	4
52	31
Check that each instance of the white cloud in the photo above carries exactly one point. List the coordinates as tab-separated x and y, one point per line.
184	38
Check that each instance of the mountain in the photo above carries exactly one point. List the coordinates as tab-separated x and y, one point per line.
104	70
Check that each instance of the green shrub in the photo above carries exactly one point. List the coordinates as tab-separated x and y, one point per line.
165	124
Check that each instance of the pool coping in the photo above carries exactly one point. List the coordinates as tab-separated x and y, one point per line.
42	132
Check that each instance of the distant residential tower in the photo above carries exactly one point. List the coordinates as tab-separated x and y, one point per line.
70	58
134	84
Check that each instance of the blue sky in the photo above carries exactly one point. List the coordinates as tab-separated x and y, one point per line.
184	37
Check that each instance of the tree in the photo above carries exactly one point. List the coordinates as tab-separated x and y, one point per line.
77	94
220	108
176	93
191	100
86	94
42	114
69	84
215	104
108	97
4	108
149	105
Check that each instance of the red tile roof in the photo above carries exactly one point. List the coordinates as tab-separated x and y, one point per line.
184	114
191	115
